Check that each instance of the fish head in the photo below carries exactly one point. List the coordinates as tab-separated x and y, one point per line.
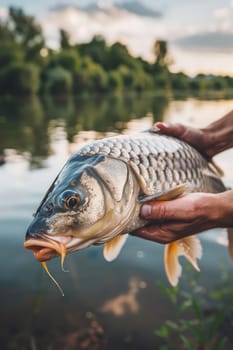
82	207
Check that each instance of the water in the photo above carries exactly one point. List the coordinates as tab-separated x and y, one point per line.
106	305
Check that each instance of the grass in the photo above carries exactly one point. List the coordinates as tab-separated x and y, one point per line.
203	318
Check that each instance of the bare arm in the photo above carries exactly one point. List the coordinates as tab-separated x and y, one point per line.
188	215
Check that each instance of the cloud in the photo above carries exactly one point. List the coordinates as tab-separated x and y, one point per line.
3	13
221	12
116	24
139	9
135	7
207	41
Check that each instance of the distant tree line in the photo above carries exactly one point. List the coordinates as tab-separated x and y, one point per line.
28	66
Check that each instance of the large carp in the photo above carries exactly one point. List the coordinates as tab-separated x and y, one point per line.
96	198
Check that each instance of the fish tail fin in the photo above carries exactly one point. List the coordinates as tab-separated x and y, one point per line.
189	247
230	241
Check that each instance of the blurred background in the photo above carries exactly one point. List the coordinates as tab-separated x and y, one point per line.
75	71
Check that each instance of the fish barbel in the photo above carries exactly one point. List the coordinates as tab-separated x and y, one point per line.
97	196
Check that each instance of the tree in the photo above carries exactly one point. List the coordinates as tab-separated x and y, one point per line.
179	81
118	55
58	81
114	81
162	57
97	79
27	33
9	53
64	39
127	76
6	35
96	49
18	79
68	59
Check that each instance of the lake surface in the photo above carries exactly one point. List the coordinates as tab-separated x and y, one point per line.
106	305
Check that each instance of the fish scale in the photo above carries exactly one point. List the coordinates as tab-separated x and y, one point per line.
97	197
160	162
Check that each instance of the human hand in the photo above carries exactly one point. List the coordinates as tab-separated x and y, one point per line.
187	215
198	138
211	140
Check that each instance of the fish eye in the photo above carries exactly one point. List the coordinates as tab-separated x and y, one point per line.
72	202
69	200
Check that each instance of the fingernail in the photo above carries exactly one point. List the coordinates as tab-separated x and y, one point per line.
163	124
146	210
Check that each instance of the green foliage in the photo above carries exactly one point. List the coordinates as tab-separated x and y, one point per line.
162	81
142	81
64	39
200	317
27	33
114	81
179	81
96	49
127	76
58	81
18	79
68	59
162	56
97	79
217	83
6	35
9	53
118	54
80	81
92	67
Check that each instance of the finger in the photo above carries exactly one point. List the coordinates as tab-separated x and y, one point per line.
174	129
182	209
186	133
156	234
166	233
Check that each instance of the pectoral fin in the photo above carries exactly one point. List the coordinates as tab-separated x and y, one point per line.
230	241
189	247
167	195
112	248
217	169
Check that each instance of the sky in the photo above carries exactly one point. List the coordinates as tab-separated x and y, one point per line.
199	32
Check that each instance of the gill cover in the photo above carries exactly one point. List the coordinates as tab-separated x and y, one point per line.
114	174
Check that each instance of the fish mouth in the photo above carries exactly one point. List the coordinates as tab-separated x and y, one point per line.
45	248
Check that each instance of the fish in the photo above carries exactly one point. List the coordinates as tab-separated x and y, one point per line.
97	196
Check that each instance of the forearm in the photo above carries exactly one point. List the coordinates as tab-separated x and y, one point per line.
223	209
218	136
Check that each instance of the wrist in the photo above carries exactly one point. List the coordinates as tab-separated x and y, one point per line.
222	209
218	136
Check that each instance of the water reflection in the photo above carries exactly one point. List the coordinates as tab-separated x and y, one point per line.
125	302
26	124
36	137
